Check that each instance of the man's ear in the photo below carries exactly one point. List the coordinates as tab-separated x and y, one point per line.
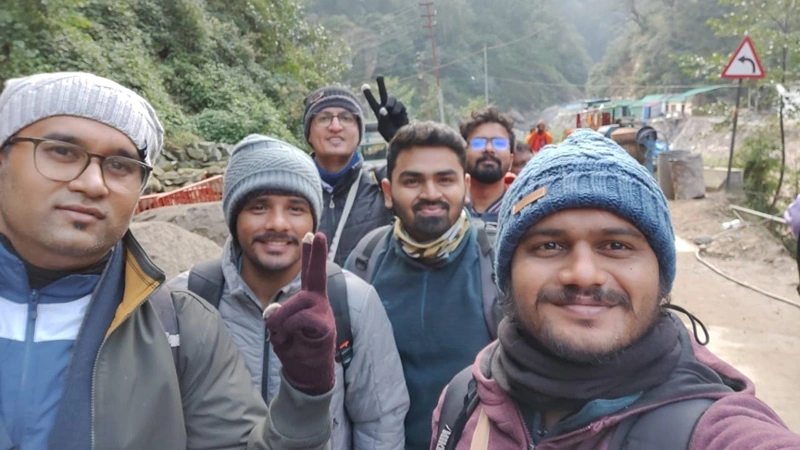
467	182
386	187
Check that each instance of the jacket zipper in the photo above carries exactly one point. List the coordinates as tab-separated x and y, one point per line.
100	350
531	445
30	330
265	367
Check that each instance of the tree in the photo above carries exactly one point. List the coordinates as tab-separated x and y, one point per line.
219	69
775	26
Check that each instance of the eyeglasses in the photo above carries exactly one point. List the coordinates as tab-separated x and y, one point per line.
61	161
324	120
498	143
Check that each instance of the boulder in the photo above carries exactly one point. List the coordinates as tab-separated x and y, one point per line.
172	248
191	175
158	171
171	178
153	186
196	153
205	219
215	170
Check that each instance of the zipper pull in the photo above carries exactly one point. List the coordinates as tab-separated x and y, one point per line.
332	205
33	306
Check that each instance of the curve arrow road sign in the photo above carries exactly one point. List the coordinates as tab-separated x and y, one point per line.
744	63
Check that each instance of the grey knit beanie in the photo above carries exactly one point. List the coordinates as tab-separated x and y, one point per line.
30	99
587	170
262	163
327	97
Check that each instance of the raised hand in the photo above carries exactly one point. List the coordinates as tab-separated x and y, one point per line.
302	330
391	112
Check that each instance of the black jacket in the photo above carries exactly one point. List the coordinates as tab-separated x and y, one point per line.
368	212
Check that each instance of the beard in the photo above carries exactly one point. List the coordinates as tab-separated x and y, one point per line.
487	174
554	339
427	228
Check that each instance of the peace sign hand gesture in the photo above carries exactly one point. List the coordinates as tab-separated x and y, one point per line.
391	112
302	330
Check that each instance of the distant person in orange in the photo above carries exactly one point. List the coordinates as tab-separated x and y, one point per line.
539	137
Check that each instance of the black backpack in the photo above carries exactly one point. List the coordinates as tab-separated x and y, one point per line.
207	281
668	427
362	263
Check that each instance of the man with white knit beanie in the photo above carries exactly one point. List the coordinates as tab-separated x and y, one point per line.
94	354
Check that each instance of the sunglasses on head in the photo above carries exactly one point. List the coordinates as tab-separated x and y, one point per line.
498	143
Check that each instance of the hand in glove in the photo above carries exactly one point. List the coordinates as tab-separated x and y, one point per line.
303	330
391	112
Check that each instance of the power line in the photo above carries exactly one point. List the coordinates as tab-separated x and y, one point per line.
675	86
380	40
386	18
496	46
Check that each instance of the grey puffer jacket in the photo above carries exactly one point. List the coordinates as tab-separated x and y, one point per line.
370	413
369	210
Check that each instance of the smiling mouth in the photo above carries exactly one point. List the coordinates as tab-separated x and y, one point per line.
586	309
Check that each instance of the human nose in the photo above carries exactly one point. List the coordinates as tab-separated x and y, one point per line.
335	124
277	221
91	181
430	191
582	269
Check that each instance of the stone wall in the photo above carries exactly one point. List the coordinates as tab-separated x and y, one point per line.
176	168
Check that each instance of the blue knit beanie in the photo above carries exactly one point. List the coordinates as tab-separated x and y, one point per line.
587	170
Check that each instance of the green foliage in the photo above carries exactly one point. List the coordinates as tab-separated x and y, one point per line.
774	26
217	69
658	46
759	157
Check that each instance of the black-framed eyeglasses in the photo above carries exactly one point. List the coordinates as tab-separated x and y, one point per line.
62	161
325	119
500	144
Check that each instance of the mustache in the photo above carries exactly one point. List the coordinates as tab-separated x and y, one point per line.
270	236
570	294
423	203
487	157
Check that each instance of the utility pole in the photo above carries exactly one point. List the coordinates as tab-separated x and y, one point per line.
423	88
485	74
430	14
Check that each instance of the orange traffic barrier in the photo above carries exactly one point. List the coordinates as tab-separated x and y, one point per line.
208	190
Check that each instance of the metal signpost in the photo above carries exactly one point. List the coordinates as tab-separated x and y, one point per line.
743	64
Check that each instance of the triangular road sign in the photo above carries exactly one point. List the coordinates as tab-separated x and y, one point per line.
745	62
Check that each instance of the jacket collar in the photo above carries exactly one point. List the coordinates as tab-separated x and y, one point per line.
141	278
503	412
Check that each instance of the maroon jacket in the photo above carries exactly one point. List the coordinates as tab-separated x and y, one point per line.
737	420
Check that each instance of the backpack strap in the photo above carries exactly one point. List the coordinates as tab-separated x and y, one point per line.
460	401
492	311
161	300
667	427
371	244
207	280
337	296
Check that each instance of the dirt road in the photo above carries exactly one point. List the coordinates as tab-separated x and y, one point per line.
758	335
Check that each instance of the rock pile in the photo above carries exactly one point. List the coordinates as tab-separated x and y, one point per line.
178	167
